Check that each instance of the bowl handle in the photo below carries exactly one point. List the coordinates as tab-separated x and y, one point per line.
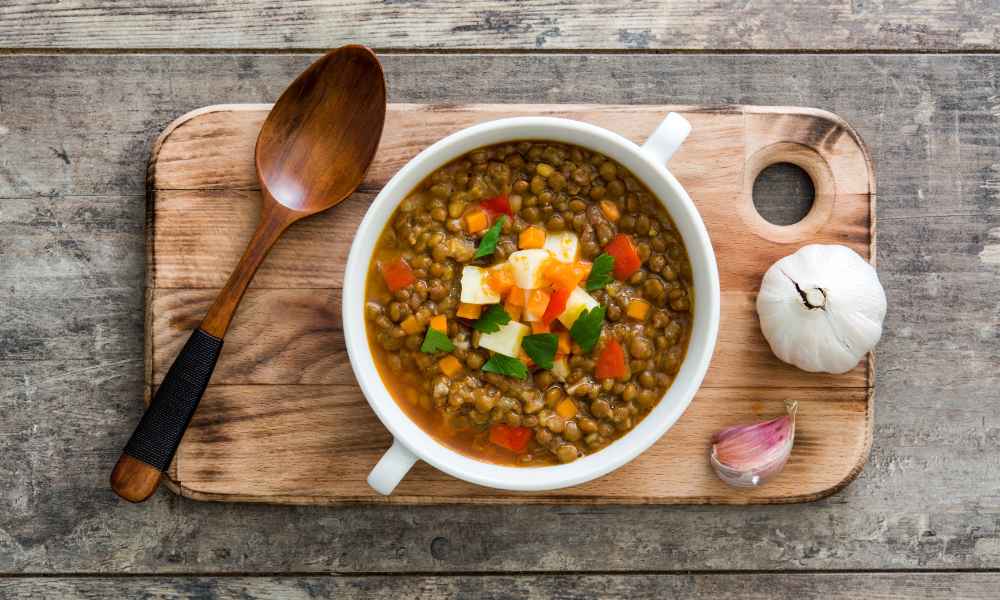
667	138
391	468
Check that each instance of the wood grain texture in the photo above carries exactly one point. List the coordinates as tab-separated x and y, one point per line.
73	247
134	480
761	586
484	24
271	443
196	247
289	333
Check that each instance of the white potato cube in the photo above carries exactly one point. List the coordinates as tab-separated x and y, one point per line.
474	287
564	246
507	340
577	302
528	267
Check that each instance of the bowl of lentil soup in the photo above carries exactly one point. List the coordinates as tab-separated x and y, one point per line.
534	302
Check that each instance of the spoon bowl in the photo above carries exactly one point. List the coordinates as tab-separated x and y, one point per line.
312	152
322	133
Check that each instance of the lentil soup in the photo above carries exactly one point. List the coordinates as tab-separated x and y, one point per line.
529	303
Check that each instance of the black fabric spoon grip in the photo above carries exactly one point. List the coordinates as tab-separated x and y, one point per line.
161	428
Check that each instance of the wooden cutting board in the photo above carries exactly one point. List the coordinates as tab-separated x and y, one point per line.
284	420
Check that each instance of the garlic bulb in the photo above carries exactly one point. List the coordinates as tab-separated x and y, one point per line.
749	455
821	309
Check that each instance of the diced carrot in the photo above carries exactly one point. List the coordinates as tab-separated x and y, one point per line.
626	257
440	322
514	439
565	344
397	274
535	304
532	237
411	325
515	303
566	275
540	327
611	361
514	312
566	408
469	311
497	205
476	221
450	365
610	210
638	309
515	297
500	279
557	304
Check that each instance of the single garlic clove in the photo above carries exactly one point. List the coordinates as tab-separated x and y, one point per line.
749	455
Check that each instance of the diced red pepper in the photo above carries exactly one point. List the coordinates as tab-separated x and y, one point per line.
611	362
497	205
626	257
397	274
514	439
557	304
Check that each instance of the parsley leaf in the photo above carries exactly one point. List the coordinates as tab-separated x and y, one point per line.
600	272
541	347
491	321
489	242
435	341
586	330
507	366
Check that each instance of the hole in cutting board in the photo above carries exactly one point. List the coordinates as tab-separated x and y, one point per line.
783	193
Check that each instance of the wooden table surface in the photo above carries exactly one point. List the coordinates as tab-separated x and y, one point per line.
86	86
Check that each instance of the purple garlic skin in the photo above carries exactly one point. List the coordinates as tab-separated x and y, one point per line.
746	456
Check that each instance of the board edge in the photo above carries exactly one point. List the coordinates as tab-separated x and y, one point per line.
178	488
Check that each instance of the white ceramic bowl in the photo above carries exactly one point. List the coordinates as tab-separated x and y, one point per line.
648	163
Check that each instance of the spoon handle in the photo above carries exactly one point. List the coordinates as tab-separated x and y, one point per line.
155	440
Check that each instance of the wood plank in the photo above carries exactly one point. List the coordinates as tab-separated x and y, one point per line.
926	500
736	586
483	24
82	258
894	515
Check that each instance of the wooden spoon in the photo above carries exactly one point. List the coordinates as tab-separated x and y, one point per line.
312	153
